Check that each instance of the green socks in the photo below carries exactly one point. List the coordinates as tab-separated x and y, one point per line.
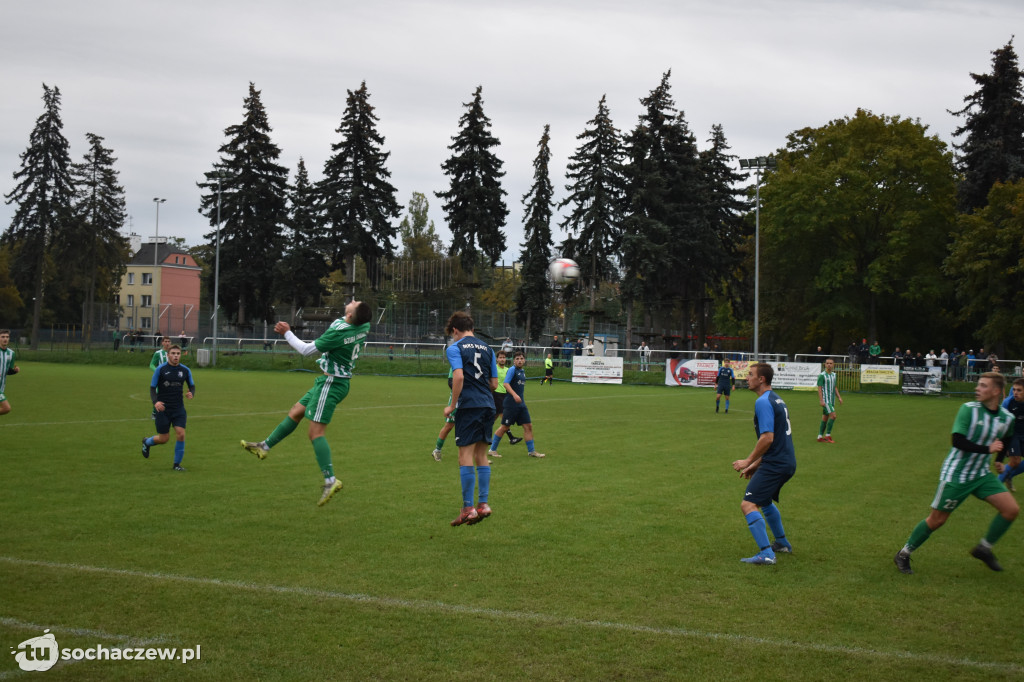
323	456
918	536
282	431
996	529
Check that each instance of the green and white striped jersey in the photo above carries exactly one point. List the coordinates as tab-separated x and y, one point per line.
6	364
827	384
340	346
979	425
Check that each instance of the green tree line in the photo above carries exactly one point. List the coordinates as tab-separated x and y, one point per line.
869	225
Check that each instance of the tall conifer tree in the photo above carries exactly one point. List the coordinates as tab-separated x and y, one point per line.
43	194
302	268
993	150
647	233
534	295
93	252
474	203
254	189
357	202
596	200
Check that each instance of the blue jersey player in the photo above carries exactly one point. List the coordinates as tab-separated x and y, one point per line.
726	381
1015	404
168	390
769	466
474	377
514	409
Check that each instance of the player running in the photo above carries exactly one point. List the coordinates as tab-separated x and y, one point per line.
165	390
981	428
515	407
7	367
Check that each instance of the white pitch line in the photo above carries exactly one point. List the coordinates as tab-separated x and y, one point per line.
528	616
120	641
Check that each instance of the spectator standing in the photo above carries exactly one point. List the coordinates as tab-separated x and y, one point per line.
874	353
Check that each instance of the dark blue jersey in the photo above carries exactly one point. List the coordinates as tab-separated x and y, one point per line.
476	360
726	377
516	378
1017	410
167	385
770	414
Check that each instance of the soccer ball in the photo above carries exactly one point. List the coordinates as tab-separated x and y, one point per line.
564	271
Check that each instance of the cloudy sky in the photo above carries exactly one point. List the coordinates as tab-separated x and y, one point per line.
161	81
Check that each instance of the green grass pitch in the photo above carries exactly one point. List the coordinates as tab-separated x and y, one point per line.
616	557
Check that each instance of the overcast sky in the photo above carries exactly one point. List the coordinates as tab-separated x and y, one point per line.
161	81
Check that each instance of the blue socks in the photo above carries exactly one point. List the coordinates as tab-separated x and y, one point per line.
529	446
484	474
468	478
726	404
755	522
149	441
495	442
179	451
774	519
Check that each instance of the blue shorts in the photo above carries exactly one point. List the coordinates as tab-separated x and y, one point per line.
473	425
1013	446
164	420
516	413
725	390
765	484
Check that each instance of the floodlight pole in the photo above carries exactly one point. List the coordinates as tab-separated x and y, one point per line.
757	165
156	249
216	279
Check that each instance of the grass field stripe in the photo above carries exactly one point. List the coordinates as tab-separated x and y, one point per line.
344	409
541	618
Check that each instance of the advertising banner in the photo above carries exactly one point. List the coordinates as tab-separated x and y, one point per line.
922	380
684	372
587	369
880	374
798	375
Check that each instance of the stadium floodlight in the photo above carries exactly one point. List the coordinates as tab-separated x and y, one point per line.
758	165
216	269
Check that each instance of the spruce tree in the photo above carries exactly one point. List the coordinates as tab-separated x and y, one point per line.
993	150
43	194
302	268
596	200
646	258
534	295
725	206
356	200
474	204
254	212
93	252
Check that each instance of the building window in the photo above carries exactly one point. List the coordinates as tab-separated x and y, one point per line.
145	323
147	300
131	278
131	300
147	278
